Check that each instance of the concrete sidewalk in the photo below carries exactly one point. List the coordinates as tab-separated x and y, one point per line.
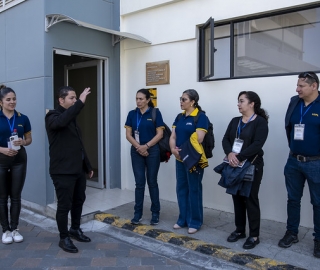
217	227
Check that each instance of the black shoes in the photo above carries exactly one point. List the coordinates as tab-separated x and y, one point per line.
251	243
67	245
235	236
78	235
288	240
316	250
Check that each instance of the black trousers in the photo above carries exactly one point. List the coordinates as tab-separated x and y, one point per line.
12	176
250	206
70	190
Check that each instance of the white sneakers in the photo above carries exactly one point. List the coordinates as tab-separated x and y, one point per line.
17	237
8	237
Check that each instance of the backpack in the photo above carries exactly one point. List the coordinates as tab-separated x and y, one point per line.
208	140
165	151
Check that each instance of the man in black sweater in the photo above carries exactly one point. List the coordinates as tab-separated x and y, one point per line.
68	164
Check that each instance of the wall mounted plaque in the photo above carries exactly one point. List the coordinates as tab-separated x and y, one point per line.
157	73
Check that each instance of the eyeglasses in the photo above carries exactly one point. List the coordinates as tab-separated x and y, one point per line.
307	74
183	99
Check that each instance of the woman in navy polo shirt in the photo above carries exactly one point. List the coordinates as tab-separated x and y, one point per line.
13	163
144	135
189	186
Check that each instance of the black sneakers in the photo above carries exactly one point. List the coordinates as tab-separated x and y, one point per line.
154	220
288	240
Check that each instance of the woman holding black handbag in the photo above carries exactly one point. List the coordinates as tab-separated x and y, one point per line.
243	141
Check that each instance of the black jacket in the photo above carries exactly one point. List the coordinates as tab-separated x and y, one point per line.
66	150
254	135
293	103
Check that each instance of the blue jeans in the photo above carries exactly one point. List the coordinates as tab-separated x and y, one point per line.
296	173
189	195
145	169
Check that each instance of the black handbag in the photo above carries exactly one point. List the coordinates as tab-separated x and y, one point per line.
249	175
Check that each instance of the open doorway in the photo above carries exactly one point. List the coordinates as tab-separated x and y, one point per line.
81	72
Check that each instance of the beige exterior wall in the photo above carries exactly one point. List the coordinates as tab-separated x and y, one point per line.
171	26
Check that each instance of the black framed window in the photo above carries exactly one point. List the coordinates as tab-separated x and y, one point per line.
275	44
207	49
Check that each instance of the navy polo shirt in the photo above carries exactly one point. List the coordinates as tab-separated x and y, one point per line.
144	124
21	124
185	126
310	146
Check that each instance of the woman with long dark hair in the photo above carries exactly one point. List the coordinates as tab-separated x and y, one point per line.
15	134
144	135
189	184
243	141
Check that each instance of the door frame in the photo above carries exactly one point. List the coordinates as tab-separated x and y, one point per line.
104	103
100	150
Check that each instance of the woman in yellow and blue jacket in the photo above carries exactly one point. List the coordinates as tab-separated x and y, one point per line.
189	183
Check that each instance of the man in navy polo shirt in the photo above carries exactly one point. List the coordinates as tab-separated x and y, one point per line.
302	125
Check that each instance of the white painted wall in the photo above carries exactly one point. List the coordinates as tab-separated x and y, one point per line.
172	30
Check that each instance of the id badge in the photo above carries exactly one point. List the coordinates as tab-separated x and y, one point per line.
136	136
299	132
237	145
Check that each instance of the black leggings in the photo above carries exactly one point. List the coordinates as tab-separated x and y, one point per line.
12	176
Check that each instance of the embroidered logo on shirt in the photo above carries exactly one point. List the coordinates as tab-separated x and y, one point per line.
189	124
315	114
149	119
20	125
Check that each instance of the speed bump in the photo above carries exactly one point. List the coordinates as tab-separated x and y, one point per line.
244	259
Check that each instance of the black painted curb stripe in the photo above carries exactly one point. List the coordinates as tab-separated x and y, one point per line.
221	252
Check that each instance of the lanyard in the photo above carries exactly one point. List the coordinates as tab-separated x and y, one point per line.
239	129
12	126
139	120
302	115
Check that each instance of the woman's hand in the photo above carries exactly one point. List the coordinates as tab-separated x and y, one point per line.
18	142
233	161
142	150
175	151
9	152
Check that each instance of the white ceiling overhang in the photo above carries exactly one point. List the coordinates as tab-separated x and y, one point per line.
117	36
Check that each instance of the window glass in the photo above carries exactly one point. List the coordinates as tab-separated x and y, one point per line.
284	43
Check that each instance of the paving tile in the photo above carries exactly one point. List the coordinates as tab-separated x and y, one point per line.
54	262
154	261
140	253
64	268
27	262
107	246
124	261
142	267
63	254
104	262
38	246
167	267
4	253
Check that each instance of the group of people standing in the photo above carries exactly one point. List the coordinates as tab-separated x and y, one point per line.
242	143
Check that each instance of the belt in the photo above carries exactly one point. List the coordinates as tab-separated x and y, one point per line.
303	158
